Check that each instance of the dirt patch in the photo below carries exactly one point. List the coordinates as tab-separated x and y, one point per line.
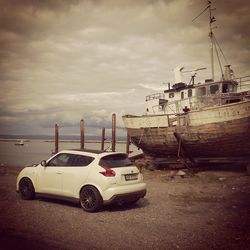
206	209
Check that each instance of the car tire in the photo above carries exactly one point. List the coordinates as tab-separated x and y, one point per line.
26	189
90	199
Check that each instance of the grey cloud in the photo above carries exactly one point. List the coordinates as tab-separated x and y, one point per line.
66	60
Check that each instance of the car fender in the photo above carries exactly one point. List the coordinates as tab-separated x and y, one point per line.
89	184
27	172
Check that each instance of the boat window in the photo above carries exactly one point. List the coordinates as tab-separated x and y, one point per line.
171	95
190	93
214	89
182	95
226	87
201	91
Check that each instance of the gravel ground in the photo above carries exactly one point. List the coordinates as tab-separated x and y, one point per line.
209	210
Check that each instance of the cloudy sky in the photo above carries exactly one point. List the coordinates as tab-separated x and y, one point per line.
64	60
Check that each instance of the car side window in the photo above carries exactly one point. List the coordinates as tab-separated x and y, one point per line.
60	160
81	160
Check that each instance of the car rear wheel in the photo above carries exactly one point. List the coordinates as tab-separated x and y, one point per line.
90	199
26	189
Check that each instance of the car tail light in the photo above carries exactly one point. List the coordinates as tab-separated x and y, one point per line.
108	172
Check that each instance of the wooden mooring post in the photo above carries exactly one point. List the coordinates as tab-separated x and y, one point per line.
103	139
56	138
128	144
82	134
113	131
82	137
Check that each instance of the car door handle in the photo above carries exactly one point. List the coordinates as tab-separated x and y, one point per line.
59	172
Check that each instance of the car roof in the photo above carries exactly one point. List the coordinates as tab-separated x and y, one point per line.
95	151
90	151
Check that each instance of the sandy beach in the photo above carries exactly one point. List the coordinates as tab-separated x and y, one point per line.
209	209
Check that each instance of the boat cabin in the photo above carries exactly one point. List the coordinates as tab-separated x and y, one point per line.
184	97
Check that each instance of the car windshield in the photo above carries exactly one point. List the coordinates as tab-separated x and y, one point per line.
115	161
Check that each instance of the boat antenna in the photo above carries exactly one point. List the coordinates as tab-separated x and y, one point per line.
211	34
193	74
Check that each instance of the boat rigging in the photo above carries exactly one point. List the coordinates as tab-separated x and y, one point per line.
214	45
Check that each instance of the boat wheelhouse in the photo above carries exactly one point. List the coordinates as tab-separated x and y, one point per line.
185	97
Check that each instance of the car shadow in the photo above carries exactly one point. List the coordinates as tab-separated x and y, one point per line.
59	201
126	206
143	202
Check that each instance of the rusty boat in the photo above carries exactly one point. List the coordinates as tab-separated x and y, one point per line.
203	122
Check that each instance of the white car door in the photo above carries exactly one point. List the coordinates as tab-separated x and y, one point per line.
49	179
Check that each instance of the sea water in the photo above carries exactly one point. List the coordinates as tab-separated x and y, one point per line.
34	151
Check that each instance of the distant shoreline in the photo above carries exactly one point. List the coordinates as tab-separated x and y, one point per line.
14	137
14	140
67	141
87	141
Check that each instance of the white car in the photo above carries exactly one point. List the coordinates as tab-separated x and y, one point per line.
93	178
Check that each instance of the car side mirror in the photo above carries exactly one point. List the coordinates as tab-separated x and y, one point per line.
43	163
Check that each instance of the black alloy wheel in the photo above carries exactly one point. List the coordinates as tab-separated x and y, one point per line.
90	199
26	189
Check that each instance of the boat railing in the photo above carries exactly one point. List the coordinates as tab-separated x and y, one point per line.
217	100
243	83
155	96
204	101
198	102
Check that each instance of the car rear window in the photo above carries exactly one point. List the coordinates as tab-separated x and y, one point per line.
115	161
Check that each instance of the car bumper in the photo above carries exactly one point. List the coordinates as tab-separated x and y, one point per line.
123	194
123	198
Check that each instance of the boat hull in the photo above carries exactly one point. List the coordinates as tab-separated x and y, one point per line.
216	132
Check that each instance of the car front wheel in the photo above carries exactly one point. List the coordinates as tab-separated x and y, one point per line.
90	199
26	189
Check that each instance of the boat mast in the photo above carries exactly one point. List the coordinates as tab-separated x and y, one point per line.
211	34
